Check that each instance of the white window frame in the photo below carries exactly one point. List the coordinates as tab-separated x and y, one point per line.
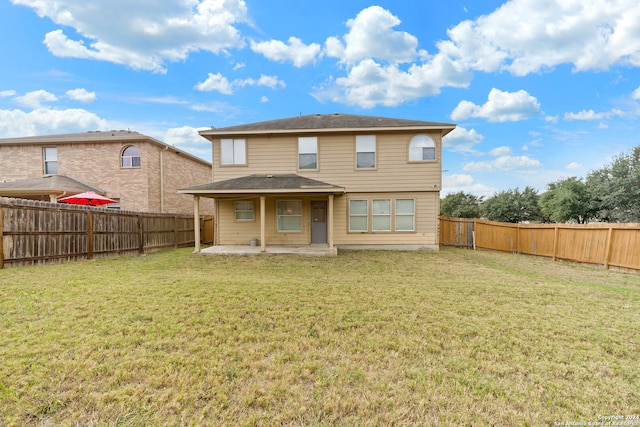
366	144
374	215
130	161
50	160
307	146
233	152
419	146
292	215
237	210
405	215
359	215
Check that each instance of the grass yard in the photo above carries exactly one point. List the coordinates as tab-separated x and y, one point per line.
366	338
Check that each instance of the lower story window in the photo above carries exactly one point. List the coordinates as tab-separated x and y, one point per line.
381	215
289	213
358	215
405	215
244	211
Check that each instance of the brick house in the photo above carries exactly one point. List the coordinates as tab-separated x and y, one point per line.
338	180
140	172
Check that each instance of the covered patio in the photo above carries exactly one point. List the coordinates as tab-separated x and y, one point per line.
282	200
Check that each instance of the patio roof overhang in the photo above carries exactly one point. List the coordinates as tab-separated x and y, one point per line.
261	185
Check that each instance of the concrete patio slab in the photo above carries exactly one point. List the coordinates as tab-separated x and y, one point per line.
309	250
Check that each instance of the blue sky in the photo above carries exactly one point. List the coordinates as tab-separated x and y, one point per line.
540	89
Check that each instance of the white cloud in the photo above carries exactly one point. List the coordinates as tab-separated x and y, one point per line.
269	81
528	36
503	163
500	107
369	84
188	139
215	82
573	166
264	99
636	94
462	140
507	163
385	66
142	35
295	51
500	151
466	183
35	98
221	84
372	35
592	115
7	93
81	95
44	121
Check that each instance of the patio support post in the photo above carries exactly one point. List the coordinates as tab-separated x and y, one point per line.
330	221
196	223
263	245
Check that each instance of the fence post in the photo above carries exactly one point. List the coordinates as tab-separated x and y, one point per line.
140	235
517	238
473	233
607	254
1	240
555	242
89	235
175	231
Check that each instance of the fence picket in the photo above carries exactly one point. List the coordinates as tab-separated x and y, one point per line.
33	232
608	245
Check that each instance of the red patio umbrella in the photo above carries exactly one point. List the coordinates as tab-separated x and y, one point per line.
87	198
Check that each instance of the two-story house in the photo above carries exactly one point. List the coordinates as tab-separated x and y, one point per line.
141	173
339	180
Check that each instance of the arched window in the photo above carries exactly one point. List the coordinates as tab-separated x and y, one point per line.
422	147
130	157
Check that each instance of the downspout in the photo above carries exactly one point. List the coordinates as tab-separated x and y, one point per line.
162	178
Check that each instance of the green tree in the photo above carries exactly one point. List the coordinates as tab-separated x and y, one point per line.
615	189
460	205
513	206
567	200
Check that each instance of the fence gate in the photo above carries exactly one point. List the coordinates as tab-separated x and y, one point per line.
456	232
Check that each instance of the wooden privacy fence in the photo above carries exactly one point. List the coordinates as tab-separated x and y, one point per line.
33	232
608	245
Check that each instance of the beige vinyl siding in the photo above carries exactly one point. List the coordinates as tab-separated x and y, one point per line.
336	162
425	233
232	232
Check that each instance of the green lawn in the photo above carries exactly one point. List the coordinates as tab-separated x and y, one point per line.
366	338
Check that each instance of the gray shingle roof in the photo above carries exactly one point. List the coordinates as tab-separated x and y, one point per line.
264	183
47	184
327	122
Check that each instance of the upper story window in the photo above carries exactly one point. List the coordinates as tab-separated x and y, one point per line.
50	157
421	148
233	152
308	152
365	151
130	157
